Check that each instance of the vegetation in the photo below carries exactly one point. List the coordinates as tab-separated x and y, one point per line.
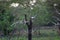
45	35
43	11
6	19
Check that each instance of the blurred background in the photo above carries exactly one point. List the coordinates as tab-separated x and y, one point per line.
45	16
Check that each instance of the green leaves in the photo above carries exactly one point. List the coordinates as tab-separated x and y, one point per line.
6	19
41	9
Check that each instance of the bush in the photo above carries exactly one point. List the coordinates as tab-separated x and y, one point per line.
6	19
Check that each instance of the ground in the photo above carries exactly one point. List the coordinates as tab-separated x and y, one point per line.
46	34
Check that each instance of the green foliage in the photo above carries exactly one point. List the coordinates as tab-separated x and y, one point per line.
41	9
6	19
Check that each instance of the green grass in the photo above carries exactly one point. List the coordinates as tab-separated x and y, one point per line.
36	38
45	35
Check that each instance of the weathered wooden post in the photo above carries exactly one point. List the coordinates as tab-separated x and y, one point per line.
29	24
